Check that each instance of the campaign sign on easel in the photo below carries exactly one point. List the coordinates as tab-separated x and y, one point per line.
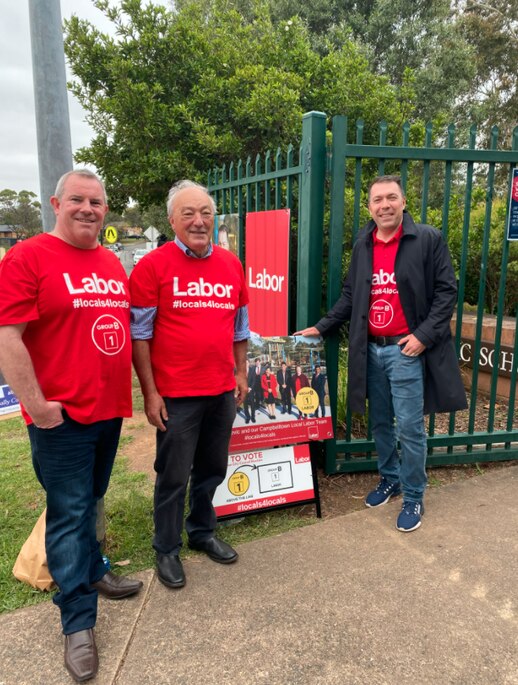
267	270
265	479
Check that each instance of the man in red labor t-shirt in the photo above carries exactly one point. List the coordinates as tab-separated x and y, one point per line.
189	324
399	297
65	351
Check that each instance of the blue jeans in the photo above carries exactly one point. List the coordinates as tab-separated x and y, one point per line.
73	462
395	388
195	446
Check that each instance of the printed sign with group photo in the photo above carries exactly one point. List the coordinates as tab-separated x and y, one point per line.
288	397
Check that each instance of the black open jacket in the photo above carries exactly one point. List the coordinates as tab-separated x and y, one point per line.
428	292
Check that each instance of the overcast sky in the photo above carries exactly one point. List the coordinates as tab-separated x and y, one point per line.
18	147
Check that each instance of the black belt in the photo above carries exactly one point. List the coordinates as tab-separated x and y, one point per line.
384	340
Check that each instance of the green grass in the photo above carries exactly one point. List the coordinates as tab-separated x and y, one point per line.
129	516
138	400
22	501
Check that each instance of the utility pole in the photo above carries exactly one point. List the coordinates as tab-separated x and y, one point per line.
50	95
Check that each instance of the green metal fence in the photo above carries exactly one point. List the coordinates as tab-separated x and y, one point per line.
325	189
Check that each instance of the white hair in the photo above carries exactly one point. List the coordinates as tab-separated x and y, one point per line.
180	185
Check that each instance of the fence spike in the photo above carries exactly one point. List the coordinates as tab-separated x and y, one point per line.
473	136
494	137
428	134
383	132
406	133
359	131
451	135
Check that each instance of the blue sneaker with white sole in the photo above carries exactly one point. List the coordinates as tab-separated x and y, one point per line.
409	518
383	492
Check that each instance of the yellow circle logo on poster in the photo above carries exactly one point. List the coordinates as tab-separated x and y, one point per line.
238	483
307	400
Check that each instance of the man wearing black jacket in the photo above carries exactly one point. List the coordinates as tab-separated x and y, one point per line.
318	383
284	381
399	297
248	402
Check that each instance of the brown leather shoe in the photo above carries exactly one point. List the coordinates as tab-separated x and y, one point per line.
81	657
117	587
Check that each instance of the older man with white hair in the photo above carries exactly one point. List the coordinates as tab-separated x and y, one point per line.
190	331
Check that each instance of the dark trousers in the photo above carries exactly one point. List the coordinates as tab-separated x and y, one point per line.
73	462
322	405
285	399
194	445
249	407
257	396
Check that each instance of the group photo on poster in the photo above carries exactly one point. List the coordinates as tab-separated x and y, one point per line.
288	396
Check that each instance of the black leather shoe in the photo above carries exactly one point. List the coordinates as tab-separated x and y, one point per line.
81	657
169	570
117	587
216	549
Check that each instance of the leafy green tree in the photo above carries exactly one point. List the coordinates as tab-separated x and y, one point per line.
491	28
496	240
133	215
423	36
21	212
156	215
178	92
113	218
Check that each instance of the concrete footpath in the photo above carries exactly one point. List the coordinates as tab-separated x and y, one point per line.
347	601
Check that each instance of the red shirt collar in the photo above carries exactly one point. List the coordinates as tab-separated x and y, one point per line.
397	236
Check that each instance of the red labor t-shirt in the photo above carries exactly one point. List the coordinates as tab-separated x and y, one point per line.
386	316
193	335
76	306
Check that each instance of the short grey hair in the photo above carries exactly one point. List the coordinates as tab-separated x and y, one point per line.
85	173
181	185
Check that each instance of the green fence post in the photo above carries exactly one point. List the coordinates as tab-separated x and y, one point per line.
311	225
334	268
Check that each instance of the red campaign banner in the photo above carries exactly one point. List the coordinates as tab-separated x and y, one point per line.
282	433
267	268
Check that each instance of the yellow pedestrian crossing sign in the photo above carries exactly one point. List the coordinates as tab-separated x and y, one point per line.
110	234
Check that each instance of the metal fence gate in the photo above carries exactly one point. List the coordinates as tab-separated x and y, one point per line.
450	187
